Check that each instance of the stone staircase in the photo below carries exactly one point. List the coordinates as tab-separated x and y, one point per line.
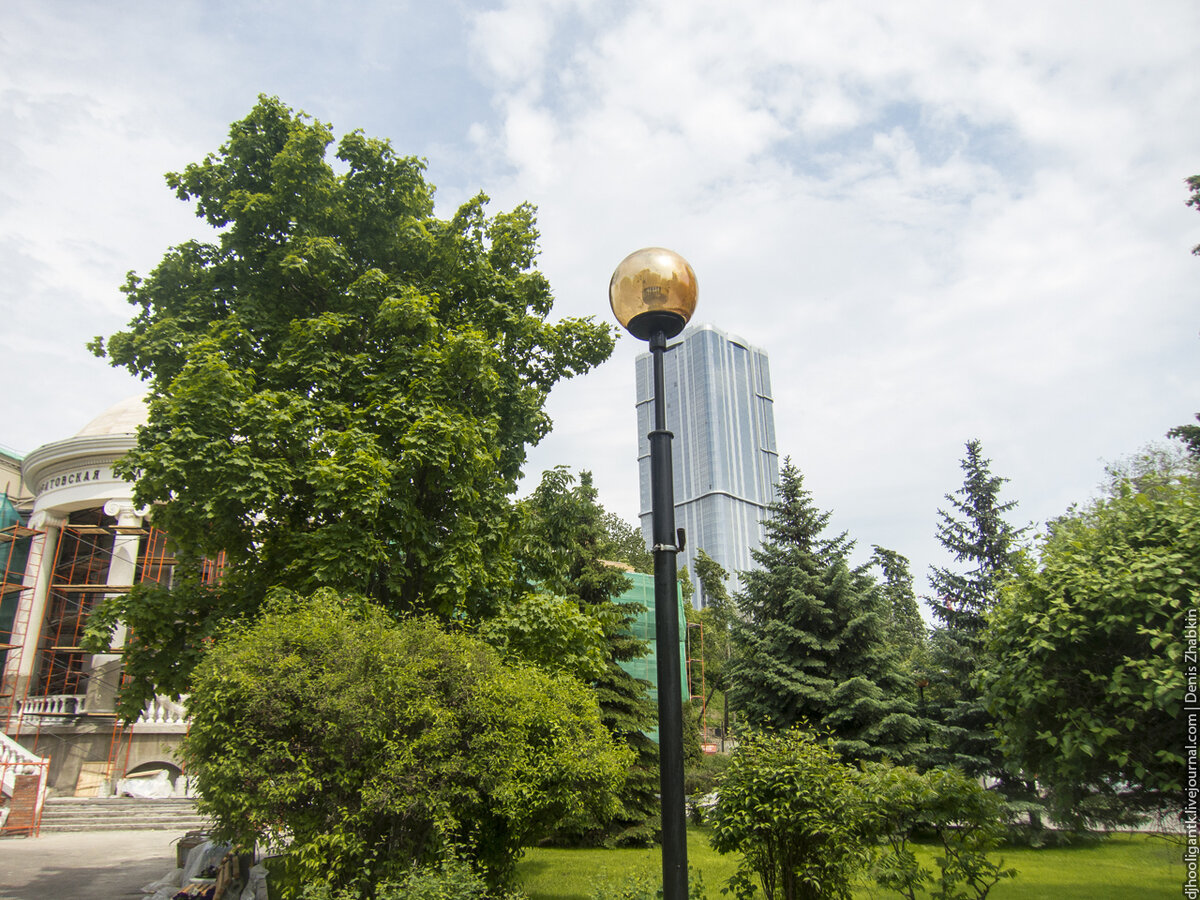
119	814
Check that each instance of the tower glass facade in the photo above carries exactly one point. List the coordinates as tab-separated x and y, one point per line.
726	465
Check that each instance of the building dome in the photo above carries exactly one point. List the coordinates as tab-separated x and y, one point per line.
76	473
120	418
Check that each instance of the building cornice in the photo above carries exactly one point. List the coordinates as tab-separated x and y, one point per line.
83	450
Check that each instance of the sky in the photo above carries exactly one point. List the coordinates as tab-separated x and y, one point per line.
943	221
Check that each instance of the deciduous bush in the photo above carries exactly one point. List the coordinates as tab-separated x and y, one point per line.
966	820
795	813
450	879
1088	680
367	746
808	824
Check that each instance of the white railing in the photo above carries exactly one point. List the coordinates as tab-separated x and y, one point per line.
54	709
61	709
16	760
163	711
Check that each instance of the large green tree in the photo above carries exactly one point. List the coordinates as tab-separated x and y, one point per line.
1087	673
809	643
713	578
342	386
985	548
568	550
365	746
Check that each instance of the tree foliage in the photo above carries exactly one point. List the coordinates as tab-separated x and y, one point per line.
965	820
565	546
710	648
713	578
567	549
1193	201
905	629
715	618
342	385
1190	436
627	544
550	632
1087	679
808	824
977	534
987	548
366	746
809	644
791	808
1155	465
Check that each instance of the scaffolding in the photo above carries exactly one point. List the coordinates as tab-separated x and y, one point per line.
79	578
23	774
56	692
19	544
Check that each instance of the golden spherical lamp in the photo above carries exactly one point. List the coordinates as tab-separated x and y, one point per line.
653	290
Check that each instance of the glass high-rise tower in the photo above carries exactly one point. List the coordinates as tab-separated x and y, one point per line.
719	407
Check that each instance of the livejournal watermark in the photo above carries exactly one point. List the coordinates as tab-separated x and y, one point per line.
1191	792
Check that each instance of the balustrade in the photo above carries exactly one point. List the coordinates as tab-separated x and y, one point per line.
58	709
17	760
163	711
54	708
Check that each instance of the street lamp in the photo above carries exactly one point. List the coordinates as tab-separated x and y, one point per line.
653	294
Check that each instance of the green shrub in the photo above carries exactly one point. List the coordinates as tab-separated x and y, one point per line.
795	812
700	779
700	776
643	886
451	879
807	824
367	746
966	820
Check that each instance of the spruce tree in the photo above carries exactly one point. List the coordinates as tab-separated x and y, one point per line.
809	644
986	547
905	628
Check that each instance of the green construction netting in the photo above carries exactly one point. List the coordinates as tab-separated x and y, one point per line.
642	591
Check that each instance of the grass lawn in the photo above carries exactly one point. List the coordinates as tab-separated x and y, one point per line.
1124	866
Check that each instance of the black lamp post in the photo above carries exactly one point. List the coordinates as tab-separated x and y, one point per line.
653	294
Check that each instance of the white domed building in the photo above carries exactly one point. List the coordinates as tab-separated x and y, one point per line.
83	540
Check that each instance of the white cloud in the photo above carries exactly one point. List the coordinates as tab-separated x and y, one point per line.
941	220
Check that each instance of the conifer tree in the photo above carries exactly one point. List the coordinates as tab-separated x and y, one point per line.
809	642
979	538
905	628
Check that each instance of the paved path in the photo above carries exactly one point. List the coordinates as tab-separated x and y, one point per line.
89	865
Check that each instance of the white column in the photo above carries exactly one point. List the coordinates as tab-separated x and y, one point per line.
21	667
104	671
39	572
